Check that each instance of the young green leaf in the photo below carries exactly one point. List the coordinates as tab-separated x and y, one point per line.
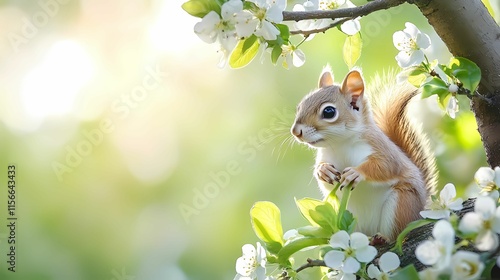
284	31
266	223
275	54
245	52
417	76
407	273
200	8
398	247
352	49
318	213
347	222
434	86
314	231
466	71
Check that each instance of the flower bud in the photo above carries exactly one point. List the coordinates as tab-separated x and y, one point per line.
453	88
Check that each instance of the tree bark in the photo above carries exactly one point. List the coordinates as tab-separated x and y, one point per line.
469	31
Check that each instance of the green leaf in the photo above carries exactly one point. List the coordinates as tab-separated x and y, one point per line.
245	52
314	231
466	71
275	54
200	8
407	273
284	31
318	213
443	100
434	86
417	76
411	226
266	223
293	247
352	49
347	222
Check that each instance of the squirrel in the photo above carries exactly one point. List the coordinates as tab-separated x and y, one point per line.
370	144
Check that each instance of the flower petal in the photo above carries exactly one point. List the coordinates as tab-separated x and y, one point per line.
399	39
486	240
373	271
485	206
248	250
456	205
359	240
366	254
206	28
484	176
334	259
275	14
448	193
443	231
389	261
299	58
411	30
452	107
423	41
351	27
230	8
435	214
340	240
351	265
428	253
497	176
267	30
471	223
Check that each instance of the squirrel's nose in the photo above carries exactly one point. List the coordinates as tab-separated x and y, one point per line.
296	130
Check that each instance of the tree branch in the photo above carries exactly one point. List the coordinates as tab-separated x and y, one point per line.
359	11
307	33
311	263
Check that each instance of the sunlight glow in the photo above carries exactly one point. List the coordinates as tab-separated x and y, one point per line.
52	87
173	28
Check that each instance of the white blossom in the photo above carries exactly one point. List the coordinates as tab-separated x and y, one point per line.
466	266
233	24
252	265
292	56
452	107
484	221
349	252
452	88
410	42
440	208
388	262
489	181
270	11
437	252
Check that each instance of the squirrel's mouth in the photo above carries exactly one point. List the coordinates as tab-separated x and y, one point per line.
312	143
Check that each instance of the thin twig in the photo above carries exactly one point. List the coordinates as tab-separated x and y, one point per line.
311	263
343	13
308	33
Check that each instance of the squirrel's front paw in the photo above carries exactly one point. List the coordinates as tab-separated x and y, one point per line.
327	173
350	175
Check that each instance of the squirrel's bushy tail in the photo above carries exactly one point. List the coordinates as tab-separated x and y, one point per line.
390	111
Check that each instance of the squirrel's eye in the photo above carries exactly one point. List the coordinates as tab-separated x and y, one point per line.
329	112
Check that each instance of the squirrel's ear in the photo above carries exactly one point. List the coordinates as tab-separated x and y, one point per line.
353	85
326	78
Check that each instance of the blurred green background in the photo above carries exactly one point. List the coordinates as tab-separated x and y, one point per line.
138	158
